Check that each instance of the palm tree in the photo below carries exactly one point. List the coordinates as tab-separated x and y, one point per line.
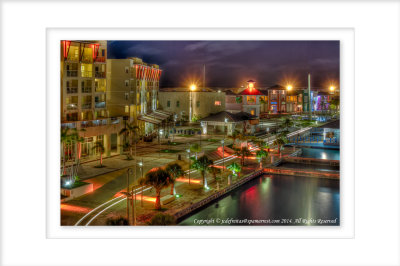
175	171
157	178
287	123
243	152
130	131
98	145
260	155
202	164
235	168
279	141
215	172
195	148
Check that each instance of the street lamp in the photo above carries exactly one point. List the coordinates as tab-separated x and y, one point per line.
332	89
223	145
289	87
129	195
188	151
141	175
192	88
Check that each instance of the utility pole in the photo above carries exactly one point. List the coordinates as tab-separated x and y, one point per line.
309	96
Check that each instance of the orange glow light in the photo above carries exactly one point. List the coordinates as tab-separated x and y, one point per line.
72	208
186	180
147	198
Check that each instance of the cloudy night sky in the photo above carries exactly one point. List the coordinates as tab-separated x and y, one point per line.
231	63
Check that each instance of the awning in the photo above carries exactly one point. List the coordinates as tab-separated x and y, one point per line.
155	117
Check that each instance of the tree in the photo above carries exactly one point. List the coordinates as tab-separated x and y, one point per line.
130	131
287	123
175	171
202	164
215	172
260	155
158	179
196	148
71	148
162	219
279	141
235	168
243	152
99	147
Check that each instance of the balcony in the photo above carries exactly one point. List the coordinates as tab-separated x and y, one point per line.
100	74
71	90
72	106
100	105
100	59
72	73
87	90
86	105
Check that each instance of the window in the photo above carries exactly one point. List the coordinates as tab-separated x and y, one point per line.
126	96
103	52
177	103
198	104
217	103
126	109
168	103
126	83
126	70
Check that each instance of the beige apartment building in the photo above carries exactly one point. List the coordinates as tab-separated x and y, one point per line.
203	102
83	69
132	91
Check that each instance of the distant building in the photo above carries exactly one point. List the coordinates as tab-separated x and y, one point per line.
227	123
204	102
252	99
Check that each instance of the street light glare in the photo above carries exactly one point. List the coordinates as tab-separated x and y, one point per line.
332	88
192	87
289	87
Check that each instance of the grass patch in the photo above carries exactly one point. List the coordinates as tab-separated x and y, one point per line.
169	151
185	135
213	140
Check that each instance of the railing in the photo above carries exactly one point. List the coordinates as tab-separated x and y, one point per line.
72	90
100	59
86	74
87	59
86	105
72	106
100	74
72	73
73	58
100	105
93	123
87	90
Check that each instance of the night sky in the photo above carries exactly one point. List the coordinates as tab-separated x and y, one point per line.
231	63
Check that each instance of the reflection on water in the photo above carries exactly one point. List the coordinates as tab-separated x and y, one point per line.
328	154
276	197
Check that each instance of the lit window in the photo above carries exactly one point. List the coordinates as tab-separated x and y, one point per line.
217	103
126	109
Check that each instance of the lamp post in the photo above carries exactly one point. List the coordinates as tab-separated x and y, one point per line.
192	88
141	175
188	151
289	88
129	196
223	145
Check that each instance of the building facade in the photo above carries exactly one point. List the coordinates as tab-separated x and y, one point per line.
83	66
204	102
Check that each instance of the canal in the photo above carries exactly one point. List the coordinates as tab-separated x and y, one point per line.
277	200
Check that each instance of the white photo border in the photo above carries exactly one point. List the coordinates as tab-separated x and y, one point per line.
23	184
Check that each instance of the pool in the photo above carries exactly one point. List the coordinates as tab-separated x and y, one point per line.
274	200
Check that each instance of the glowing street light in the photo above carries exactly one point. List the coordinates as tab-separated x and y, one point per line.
192	88
289	87
331	88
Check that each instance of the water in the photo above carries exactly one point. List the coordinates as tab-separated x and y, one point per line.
272	199
329	154
315	167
